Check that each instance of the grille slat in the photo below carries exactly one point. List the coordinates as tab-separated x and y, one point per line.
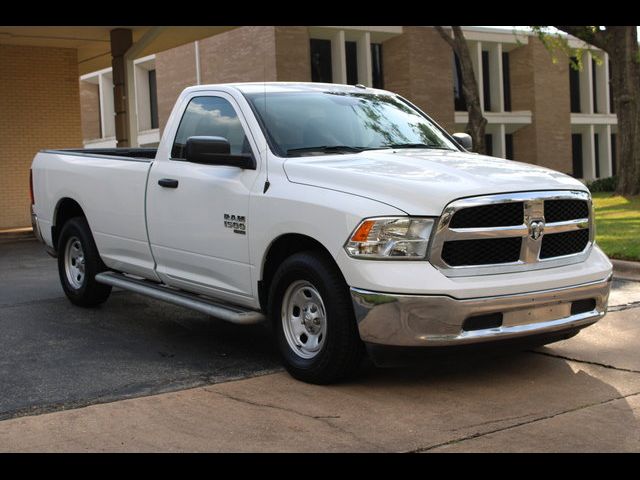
496	233
563	210
482	252
565	243
498	215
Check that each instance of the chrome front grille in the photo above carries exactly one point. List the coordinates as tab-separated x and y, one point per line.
513	232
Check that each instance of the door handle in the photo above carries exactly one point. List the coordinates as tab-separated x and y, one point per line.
168	183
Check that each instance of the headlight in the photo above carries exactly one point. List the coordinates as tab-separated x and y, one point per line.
393	238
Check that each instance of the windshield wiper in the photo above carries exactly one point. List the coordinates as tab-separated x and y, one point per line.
331	149
417	145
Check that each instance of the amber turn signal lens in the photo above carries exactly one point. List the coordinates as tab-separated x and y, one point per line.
362	233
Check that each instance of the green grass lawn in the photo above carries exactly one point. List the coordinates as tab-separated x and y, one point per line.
618	225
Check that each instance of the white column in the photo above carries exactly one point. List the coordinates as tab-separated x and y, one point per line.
132	108
106	106
588	154
364	59
338	58
602	88
606	168
499	142
197	55
102	102
586	87
495	77
605	83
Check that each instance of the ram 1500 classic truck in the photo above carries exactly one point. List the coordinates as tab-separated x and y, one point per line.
342	214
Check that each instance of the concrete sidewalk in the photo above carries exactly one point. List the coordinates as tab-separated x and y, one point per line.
580	395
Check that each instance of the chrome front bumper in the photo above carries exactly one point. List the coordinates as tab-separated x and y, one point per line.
437	320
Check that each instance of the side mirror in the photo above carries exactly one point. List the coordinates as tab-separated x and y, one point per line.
216	151
464	140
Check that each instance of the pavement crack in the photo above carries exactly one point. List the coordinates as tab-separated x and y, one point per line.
588	362
322	418
520	424
625	306
489	422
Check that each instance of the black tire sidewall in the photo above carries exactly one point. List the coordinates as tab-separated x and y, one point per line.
341	331
91	292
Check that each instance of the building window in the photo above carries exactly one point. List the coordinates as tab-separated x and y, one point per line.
321	61
377	79
506	81
488	144
459	101
486	85
576	153
351	55
153	99
614	149
574	87
508	145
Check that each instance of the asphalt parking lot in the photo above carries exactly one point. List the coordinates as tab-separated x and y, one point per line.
141	375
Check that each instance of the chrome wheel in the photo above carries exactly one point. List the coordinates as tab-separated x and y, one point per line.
304	319
74	262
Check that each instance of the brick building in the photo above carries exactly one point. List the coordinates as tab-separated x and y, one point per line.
538	111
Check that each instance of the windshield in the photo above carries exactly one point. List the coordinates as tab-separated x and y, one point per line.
313	123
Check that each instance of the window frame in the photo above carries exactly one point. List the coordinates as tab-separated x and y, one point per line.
236	108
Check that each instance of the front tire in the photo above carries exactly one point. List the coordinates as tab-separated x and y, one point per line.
78	264
313	319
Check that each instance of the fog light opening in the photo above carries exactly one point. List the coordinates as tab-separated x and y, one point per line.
482	322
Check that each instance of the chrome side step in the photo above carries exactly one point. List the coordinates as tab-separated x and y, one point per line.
229	313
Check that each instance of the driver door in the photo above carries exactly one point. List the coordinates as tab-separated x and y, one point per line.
189	206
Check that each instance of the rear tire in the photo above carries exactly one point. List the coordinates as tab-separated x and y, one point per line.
78	264
314	324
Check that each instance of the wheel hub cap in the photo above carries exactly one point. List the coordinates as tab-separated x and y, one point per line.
304	319
74	262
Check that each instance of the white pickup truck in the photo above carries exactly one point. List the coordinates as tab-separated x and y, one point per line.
344	215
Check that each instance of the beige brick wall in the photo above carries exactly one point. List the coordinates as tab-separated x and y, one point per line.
539	85
175	70
245	54
418	65
292	54
39	108
90	110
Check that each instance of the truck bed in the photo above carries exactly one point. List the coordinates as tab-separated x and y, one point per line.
142	154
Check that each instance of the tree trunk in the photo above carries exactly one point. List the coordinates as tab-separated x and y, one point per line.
622	47
476	124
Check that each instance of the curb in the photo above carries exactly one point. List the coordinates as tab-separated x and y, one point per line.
16	234
626	270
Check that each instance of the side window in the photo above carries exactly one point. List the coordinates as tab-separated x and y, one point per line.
210	116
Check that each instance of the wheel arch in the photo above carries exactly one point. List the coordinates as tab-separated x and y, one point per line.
66	208
278	250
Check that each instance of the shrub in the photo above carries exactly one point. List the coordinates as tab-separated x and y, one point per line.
603	185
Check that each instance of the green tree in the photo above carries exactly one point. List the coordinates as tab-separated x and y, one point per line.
621	43
476	124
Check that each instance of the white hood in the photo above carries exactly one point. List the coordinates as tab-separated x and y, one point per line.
423	182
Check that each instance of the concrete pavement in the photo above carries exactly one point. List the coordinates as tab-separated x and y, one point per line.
579	395
523	402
